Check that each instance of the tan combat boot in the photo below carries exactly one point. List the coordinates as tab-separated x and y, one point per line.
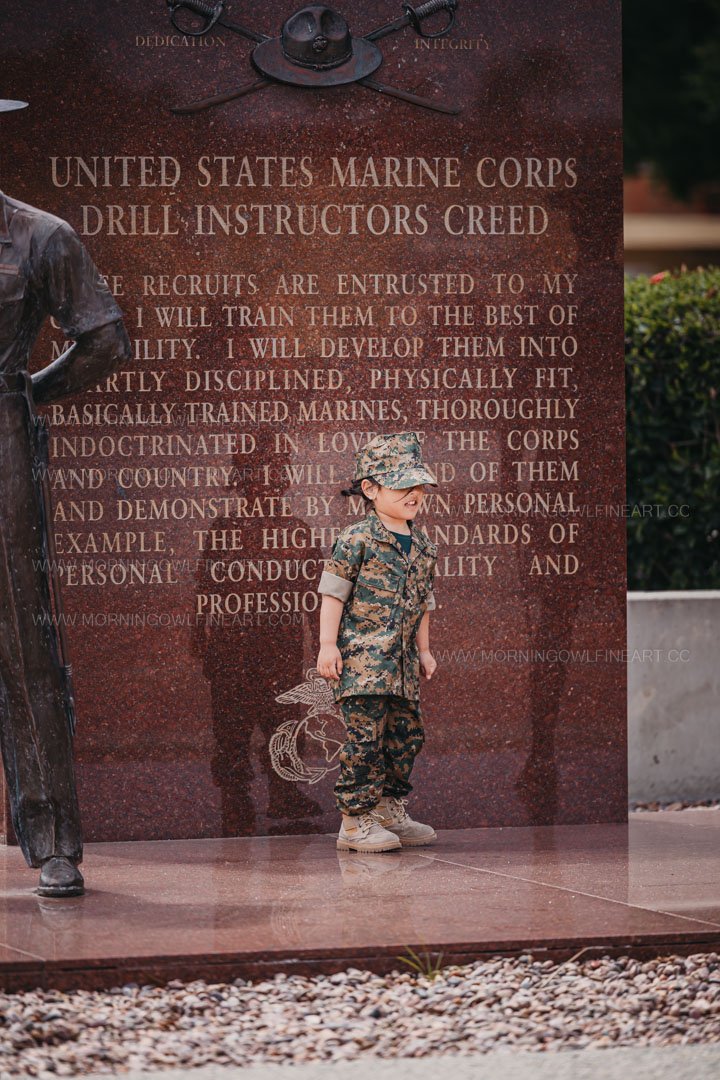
364	833
391	814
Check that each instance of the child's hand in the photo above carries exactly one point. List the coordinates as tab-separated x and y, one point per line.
329	662
428	663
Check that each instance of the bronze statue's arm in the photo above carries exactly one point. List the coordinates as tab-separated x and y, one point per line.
94	355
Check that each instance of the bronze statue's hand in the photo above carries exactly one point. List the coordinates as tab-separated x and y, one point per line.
93	357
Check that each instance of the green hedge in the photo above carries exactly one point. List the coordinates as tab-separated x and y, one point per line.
672	364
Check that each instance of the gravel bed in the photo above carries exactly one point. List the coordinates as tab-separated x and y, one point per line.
520	1004
706	804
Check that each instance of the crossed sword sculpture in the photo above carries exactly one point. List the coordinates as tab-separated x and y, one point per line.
414	17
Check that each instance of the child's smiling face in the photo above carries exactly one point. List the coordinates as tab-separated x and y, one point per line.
400	505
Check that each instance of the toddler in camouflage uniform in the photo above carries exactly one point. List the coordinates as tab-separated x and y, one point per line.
375	642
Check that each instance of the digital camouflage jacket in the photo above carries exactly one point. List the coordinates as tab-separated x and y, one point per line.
386	593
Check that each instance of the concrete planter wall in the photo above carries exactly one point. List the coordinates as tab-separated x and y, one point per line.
674	695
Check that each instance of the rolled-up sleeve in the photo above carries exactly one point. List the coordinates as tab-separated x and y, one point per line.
341	569
332	585
430	602
75	293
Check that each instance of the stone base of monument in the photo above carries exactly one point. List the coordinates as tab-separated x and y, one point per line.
673	689
253	907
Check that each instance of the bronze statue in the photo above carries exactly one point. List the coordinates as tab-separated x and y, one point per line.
44	271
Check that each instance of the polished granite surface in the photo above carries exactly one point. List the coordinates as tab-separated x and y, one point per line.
252	906
190	570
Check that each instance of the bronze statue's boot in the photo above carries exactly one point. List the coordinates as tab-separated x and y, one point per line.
60	877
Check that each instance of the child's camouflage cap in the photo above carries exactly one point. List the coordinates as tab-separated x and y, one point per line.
395	461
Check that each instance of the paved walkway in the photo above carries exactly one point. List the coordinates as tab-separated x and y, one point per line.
641	1063
220	909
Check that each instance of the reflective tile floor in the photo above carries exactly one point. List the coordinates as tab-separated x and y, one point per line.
220	909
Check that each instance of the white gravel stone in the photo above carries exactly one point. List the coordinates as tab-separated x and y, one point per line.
516	1004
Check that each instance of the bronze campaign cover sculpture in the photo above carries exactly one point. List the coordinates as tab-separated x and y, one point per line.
316	50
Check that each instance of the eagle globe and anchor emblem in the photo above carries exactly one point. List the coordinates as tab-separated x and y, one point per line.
309	732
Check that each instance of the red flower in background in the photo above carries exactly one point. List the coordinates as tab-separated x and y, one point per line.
659	277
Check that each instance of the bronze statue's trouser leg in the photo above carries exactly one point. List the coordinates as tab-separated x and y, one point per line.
34	733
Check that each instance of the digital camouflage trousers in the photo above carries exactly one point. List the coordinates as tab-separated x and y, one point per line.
384	736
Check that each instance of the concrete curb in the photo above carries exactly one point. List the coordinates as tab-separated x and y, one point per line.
698	1062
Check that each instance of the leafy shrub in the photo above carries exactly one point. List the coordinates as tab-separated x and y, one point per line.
672	364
